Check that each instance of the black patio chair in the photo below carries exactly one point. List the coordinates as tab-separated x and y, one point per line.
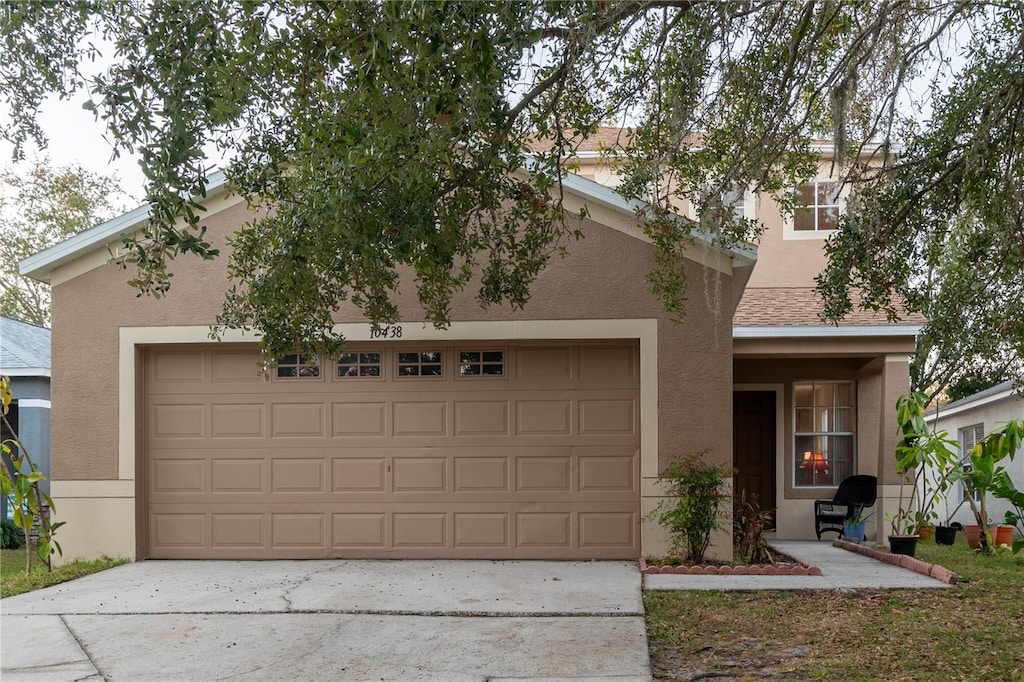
855	492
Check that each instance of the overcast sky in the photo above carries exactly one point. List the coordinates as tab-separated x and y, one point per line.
76	137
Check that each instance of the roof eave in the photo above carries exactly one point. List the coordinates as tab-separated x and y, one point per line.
41	265
827	331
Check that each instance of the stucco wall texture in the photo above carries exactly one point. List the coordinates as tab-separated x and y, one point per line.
601	278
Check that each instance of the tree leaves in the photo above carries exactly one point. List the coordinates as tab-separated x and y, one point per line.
37	210
385	137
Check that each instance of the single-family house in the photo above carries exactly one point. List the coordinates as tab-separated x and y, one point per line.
967	421
25	358
536	433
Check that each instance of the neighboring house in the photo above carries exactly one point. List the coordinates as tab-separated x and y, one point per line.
967	421
537	433
25	358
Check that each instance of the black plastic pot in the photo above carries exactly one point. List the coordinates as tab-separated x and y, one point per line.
945	535
903	544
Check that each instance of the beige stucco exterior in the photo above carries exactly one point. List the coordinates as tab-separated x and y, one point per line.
688	372
101	330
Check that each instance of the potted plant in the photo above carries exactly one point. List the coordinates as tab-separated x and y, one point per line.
854	527
925	461
984	474
1003	488
945	533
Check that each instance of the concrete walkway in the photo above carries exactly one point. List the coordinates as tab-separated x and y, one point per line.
839	570
332	620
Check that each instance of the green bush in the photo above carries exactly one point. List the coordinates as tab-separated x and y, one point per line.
696	495
11	536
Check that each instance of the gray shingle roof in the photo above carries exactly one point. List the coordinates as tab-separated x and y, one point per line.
784	307
23	346
980	395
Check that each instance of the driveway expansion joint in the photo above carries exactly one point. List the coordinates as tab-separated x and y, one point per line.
84	648
370	612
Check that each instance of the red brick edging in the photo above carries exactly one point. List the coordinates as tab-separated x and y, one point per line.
768	569
940	573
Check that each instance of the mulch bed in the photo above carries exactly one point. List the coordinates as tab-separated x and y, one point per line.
788	566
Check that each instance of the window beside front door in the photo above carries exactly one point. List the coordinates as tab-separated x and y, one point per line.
824	431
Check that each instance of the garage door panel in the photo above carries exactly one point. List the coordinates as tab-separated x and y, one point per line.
298	475
607	529
176	476
544	530
608	367
242	475
178	421
366	419
297	529
236	368
179	530
544	417
476	474
359	474
297	420
604	416
547	473
481	418
238	530
234	420
419	474
540	461
179	367
420	529
481	529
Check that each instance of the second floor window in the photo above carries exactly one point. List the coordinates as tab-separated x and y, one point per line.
818	206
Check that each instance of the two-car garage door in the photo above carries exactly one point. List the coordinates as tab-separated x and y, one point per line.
415	450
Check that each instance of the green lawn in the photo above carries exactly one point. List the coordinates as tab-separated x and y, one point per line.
14	579
973	631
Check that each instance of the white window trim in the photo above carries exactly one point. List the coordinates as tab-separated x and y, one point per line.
795	433
789	233
749	206
965	450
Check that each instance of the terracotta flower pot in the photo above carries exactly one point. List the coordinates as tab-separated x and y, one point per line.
973	534
926	531
1003	535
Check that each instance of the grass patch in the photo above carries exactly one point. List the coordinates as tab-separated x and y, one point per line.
970	631
14	580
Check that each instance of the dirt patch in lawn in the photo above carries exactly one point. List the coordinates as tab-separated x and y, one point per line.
969	631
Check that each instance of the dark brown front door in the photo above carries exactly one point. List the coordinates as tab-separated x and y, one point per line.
753	435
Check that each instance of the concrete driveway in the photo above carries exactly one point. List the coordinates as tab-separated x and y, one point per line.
332	620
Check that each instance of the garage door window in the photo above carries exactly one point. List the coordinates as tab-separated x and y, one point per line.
420	363
298	367
365	365
481	363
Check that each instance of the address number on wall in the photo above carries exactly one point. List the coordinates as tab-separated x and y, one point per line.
389	332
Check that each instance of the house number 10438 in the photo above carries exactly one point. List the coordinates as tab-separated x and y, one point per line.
390	332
